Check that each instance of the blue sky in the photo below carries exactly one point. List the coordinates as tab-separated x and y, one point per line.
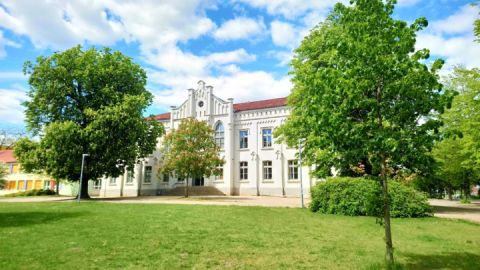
240	47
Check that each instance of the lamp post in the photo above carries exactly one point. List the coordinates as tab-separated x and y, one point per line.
300	142
81	176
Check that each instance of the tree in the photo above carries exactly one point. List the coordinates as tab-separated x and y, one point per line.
459	154
9	138
3	173
363	97
190	151
476	29
86	101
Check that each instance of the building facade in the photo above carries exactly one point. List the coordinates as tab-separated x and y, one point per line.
17	180
255	164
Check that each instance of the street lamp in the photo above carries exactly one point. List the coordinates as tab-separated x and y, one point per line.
81	177
300	142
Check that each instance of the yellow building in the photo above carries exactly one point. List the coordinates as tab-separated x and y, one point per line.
18	180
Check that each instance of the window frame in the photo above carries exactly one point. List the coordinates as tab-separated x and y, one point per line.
267	169
129	180
243	169
243	141
269	135
219	135
147	173
293	171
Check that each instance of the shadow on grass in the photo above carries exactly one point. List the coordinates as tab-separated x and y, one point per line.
16	219
451	260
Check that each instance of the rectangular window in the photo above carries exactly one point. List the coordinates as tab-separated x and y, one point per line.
148	174
243	170
267	170
129	177
292	170
113	180
166	178
46	184
243	139
267	137
219	177
180	179
97	184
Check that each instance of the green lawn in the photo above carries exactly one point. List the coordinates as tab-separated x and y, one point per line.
154	236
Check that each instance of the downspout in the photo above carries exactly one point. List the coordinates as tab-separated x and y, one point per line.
257	160
282	170
122	184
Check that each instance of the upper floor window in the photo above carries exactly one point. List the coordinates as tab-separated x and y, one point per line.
166	177
243	139
292	169
148	174
267	137
220	135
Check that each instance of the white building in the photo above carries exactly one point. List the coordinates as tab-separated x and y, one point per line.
254	163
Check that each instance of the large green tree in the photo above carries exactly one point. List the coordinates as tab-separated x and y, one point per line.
86	101
363	97
3	173
459	154
190	151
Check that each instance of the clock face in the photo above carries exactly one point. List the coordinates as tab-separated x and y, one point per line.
200	104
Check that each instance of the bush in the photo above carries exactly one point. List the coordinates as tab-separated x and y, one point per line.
32	192
363	197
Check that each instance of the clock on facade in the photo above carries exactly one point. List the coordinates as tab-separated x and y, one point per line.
200	104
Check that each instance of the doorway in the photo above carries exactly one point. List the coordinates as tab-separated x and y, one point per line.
198	181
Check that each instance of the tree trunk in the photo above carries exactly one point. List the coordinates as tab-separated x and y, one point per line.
386	212
84	190
186	187
57	187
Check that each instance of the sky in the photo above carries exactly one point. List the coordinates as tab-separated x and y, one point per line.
240	47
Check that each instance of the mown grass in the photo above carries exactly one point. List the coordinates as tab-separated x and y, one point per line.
95	235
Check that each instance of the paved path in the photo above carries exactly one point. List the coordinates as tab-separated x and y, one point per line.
36	199
454	209
266	201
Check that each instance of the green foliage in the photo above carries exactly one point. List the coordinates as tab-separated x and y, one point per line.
3	173
191	151
362	197
32	192
86	101
360	89
459	154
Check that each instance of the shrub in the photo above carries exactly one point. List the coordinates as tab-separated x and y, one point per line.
32	192
363	197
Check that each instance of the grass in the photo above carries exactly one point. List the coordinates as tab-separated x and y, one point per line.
94	235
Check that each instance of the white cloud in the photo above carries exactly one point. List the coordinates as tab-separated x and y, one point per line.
407	2
458	23
239	28
11	110
284	34
236	56
452	39
11	75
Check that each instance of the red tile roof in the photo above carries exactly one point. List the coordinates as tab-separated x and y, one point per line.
245	106
260	104
163	116
7	156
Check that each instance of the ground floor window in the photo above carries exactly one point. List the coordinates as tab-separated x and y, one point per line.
113	181
292	170
219	177
129	177
148	174
97	184
243	170
166	177
267	170
46	184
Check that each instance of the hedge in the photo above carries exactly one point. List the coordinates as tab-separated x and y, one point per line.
363	197
32	192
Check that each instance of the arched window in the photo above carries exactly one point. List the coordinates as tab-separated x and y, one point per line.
219	135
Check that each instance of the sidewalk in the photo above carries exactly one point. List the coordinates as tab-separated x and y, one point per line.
454	209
